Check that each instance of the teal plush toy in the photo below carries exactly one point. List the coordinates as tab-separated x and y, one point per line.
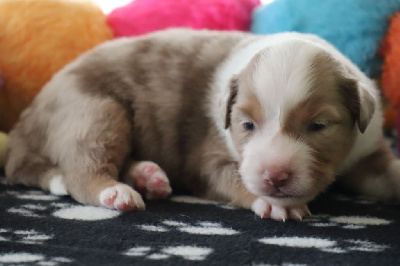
355	27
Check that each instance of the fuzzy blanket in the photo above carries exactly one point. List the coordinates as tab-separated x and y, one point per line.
43	229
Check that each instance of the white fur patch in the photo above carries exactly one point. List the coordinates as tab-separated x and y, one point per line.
288	81
282	152
86	213
57	187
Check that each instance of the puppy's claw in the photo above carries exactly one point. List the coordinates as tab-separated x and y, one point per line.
298	216
261	208
265	210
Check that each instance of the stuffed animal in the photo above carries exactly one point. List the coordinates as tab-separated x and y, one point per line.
355	27
144	16
391	65
3	140
391	72
37	38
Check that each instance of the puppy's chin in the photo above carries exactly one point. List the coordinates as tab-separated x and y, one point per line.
284	196
288	200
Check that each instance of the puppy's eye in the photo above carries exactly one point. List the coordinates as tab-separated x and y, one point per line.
249	126
316	127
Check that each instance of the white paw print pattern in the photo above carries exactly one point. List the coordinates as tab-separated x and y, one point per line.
86	213
195	200
36	195
325	245
35	206
24	236
358	200
346	222
38	206
191	253
200	228
21	258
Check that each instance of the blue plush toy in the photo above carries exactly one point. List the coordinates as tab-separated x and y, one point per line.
355	27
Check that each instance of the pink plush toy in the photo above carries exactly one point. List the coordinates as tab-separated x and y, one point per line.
144	16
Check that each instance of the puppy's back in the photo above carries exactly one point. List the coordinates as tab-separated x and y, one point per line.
160	79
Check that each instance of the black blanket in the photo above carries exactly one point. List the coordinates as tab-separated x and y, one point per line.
43	229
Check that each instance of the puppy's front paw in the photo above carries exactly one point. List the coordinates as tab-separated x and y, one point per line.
151	180
261	208
265	210
121	197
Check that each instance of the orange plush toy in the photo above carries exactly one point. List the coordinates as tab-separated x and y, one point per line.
391	65
37	38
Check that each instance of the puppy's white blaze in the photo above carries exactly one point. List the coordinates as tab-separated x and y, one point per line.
57	186
282	78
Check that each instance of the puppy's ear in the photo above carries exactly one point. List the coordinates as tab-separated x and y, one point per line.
234	87
359	101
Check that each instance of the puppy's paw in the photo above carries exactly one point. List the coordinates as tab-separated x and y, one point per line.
121	197
261	208
265	210
150	180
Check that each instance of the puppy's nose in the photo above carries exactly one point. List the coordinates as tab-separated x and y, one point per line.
276	178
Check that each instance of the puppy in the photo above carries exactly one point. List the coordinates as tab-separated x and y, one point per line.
262	122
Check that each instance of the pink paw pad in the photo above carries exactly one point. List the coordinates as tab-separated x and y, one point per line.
109	199
150	180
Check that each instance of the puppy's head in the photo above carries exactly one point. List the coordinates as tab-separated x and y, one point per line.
293	115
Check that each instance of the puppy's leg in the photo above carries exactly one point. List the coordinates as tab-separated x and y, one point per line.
94	152
148	178
377	175
25	166
227	184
